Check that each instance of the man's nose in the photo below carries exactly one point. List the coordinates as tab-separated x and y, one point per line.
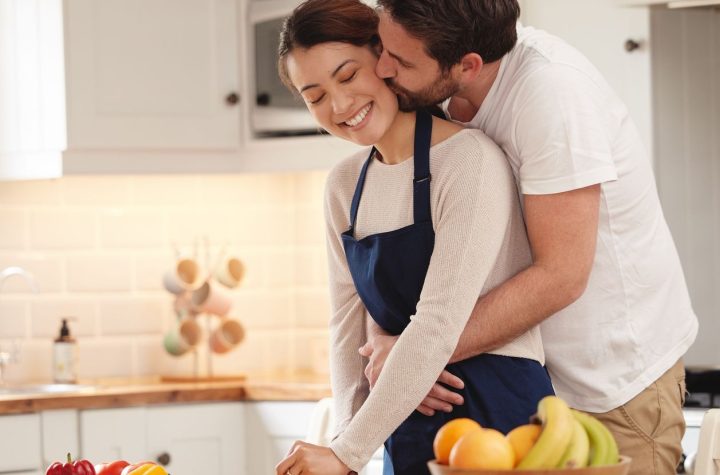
385	67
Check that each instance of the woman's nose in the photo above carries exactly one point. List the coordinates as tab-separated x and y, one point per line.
385	67
342	103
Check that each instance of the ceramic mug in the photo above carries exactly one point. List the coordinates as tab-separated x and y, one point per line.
226	336
230	272
208	298
183	277
182	337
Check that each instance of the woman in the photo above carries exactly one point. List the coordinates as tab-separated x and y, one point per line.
418	228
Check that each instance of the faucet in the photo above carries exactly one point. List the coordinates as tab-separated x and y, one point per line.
12	357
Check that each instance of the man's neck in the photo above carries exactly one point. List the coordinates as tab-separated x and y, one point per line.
466	103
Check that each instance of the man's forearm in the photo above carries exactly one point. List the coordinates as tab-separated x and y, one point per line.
514	307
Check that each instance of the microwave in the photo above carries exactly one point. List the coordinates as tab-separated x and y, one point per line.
274	110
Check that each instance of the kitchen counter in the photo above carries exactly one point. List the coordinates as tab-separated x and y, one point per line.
127	392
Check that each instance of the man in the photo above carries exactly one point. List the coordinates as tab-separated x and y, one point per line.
604	263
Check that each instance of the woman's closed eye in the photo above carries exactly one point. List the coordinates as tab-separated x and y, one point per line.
315	100
349	78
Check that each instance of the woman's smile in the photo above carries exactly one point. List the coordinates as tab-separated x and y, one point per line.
359	120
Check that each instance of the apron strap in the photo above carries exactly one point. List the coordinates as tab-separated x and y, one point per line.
358	192
421	183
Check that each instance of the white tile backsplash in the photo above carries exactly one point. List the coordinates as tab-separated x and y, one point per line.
99	245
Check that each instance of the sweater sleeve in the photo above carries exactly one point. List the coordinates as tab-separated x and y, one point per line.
470	219
347	321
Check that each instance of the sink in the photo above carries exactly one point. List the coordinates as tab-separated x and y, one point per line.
45	389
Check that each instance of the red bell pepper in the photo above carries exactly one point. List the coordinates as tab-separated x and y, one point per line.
78	467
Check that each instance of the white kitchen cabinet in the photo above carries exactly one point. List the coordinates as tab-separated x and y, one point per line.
188	439
149	75
206	438
32	89
614	38
272	427
20	450
60	435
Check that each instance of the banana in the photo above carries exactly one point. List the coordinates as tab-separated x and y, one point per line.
603	448
577	454
557	422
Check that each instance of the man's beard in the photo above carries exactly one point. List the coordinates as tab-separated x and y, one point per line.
434	94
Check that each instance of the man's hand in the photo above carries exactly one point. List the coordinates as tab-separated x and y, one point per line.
438	399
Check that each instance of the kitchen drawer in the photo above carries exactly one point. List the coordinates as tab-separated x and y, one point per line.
20	449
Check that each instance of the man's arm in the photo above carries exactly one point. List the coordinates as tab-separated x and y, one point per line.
562	229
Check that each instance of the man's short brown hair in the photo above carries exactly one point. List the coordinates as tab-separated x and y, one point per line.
450	29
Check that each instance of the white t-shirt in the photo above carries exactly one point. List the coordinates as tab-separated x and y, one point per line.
563	128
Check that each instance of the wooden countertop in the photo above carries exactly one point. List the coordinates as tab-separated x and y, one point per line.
109	393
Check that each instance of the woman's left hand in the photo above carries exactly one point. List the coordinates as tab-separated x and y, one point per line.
309	459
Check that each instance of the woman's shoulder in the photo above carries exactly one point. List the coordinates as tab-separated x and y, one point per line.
345	173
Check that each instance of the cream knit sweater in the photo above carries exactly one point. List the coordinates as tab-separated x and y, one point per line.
480	242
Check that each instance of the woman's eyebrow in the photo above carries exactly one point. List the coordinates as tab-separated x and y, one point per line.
334	73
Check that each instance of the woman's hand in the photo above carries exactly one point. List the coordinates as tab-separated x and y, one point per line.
309	459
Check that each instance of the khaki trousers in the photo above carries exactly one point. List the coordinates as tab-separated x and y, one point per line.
650	427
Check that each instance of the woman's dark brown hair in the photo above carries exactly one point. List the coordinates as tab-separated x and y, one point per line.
451	29
321	21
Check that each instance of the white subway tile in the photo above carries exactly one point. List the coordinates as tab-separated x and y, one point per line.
96	190
106	357
312	351
132	228
311	268
34	363
150	359
312	309
150	267
46	269
309	226
310	187
13	228
246	189
186	226
132	315
266	309
166	190
46	316
97	273
256	270
62	228
33	192
13	320
265	226
281	268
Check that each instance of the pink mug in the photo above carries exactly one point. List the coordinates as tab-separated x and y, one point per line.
226	336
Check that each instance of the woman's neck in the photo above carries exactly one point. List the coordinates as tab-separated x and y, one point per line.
397	144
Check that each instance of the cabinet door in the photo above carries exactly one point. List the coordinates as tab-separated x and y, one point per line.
112	434
152	74
20	447
272	427
195	439
600	29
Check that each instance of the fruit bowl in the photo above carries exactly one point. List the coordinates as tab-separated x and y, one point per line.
621	468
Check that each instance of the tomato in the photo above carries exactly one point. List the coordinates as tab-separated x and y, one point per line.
111	468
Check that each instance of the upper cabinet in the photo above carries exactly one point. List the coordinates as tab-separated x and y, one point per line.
615	39
153	75
32	89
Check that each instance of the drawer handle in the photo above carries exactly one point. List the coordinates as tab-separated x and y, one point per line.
232	99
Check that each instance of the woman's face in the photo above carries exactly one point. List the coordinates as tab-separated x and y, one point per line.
342	92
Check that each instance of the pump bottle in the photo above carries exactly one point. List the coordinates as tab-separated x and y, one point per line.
65	356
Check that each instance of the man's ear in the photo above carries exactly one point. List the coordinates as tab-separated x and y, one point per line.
470	66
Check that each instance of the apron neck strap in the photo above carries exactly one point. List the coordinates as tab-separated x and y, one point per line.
421	182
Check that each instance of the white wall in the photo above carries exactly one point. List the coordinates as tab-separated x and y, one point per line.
98	246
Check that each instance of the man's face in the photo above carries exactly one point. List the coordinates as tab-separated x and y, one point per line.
411	73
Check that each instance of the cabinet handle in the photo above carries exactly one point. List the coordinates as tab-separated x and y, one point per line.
163	459
631	45
232	99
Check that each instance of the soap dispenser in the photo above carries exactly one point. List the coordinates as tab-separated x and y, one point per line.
64	356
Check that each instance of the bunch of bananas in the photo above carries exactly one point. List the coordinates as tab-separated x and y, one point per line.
569	439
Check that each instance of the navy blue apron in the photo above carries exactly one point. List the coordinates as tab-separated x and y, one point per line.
389	270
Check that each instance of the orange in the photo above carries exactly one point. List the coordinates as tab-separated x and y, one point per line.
482	448
449	434
522	438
